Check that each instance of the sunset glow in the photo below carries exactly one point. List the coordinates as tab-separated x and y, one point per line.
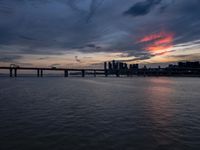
158	42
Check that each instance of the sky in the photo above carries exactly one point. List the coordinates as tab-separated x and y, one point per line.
85	33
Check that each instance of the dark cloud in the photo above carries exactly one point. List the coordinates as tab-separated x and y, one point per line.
43	58
73	5
9	58
95	4
146	56
142	57
27	38
142	8
91	45
89	14
5	8
55	27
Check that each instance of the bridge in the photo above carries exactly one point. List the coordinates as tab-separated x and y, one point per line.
39	71
13	70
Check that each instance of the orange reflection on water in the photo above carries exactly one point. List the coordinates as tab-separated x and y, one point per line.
159	91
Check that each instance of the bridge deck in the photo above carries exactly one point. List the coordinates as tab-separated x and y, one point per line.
54	69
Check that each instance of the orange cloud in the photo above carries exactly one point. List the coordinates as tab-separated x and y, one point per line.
155	48
158	42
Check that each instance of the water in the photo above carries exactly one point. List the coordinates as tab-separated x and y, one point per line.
100	113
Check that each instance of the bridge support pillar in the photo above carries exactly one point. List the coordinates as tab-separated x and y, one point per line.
83	73
41	73
15	72
38	72
66	72
11	72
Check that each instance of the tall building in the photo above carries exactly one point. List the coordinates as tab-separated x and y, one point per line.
114	66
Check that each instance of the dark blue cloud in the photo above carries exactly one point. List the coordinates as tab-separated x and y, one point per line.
142	8
44	27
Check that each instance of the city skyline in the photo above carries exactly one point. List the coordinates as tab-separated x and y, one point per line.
85	33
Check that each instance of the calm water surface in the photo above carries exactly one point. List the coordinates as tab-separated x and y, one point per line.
100	114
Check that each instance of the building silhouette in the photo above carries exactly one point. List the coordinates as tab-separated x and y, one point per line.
180	69
117	67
